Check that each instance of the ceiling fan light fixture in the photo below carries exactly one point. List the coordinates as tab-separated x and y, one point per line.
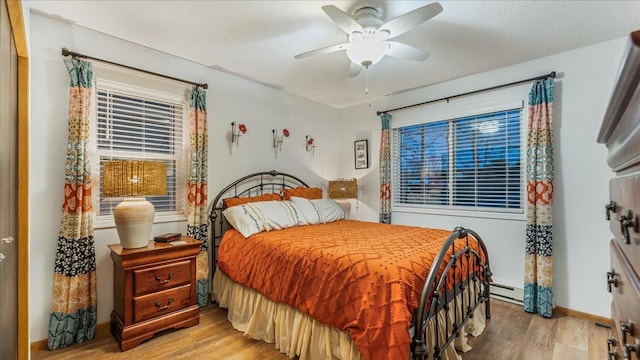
367	52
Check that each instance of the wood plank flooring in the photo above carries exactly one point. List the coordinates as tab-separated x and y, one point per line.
510	334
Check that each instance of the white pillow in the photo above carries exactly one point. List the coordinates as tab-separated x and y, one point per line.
256	217
318	211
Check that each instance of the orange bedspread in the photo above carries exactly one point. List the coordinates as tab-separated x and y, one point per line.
363	278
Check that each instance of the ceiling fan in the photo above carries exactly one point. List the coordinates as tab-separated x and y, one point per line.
369	37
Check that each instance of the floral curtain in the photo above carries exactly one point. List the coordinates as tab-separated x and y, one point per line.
74	310
197	225
385	169
538	294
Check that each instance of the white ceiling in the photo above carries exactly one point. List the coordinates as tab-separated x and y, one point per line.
257	40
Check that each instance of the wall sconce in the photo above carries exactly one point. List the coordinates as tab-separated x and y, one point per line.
310	143
237	130
278	140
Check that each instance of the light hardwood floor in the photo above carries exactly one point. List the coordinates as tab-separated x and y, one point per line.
511	334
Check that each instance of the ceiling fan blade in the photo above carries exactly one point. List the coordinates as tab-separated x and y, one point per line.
324	50
405	51
344	21
408	21
354	69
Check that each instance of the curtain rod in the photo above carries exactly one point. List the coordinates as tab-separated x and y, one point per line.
66	52
549	75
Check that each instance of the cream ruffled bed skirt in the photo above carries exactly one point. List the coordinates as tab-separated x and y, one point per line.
297	334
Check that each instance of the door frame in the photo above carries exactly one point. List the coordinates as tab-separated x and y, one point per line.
16	19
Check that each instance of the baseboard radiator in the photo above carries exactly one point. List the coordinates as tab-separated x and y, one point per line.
507	293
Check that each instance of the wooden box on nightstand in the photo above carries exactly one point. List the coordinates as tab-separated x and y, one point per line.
154	289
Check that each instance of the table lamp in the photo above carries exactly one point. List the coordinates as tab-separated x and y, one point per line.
134	179
343	189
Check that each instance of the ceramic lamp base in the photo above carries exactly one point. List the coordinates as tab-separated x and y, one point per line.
133	218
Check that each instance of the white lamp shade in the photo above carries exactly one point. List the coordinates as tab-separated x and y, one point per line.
367	52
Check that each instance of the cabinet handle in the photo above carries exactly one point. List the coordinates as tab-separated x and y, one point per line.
163	307
610	208
170	276
627	328
627	221
611	279
612	353
631	348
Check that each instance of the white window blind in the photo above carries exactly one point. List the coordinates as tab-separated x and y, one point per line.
470	163
133	123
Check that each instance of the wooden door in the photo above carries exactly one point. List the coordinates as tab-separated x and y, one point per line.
8	189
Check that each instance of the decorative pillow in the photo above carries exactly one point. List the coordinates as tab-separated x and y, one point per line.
229	202
318	211
303	192
256	217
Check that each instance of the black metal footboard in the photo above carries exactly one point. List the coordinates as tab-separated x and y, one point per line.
466	268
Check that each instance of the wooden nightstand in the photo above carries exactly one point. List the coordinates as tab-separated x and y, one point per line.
154	289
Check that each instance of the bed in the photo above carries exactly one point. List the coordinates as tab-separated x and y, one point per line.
344	289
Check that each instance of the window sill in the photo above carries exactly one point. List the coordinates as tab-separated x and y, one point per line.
516	216
107	221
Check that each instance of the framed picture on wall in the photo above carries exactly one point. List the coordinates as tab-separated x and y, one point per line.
361	153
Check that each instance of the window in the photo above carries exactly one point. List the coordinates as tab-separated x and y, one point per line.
470	163
136	123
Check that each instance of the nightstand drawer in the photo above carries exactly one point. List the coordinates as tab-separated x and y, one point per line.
156	304
161	277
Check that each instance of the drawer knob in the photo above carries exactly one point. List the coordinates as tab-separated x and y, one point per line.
627	221
611	279
610	208
163	307
169	277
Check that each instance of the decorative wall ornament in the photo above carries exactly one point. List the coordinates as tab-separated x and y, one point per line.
310	143
237	130
279	139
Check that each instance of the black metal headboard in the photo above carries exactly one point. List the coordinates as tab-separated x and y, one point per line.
251	185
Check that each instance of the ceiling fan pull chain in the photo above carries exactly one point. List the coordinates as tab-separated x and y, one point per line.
367	80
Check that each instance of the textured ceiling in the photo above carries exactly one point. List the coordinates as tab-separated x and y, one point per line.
258	39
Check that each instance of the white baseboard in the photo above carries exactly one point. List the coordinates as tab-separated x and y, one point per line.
507	293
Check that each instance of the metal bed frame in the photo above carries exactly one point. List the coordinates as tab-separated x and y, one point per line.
438	293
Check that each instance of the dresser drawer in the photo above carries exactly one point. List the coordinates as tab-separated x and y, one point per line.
161	277
155	304
625	288
625	193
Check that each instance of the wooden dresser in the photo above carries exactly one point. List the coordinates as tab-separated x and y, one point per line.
154	289
620	131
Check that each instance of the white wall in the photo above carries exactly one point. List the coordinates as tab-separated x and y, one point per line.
581	235
228	99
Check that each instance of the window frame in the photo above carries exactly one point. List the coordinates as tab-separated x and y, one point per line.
471	107
138	84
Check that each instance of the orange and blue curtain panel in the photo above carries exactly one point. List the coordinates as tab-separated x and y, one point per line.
74	311
197	225
385	169
538	282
